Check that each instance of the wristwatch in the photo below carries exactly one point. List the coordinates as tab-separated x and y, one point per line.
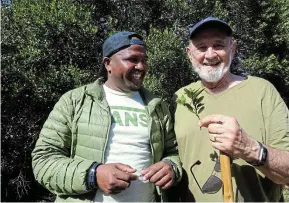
262	158
91	175
175	168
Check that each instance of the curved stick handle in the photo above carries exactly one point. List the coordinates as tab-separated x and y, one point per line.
226	177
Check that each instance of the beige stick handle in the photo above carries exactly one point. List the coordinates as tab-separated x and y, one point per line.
226	177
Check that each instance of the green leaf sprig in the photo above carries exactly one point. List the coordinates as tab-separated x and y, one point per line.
195	106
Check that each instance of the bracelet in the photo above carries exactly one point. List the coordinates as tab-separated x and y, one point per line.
91	179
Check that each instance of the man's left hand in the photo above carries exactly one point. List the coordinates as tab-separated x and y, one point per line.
160	173
227	135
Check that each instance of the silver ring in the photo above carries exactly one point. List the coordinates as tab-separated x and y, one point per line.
213	138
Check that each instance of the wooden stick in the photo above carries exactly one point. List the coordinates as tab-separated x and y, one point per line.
226	177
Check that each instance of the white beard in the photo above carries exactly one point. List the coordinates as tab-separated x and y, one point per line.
212	74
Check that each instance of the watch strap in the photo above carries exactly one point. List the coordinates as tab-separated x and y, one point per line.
91	176
262	158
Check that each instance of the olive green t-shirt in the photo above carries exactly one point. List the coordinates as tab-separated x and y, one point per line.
260	111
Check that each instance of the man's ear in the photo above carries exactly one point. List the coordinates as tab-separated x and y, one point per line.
188	51
106	62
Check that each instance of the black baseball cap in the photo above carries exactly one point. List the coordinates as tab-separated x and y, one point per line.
119	41
210	22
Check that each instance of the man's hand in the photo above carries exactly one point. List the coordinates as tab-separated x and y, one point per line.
227	136
114	177
160	173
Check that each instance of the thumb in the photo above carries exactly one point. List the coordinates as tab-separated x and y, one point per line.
145	170
125	168
214	118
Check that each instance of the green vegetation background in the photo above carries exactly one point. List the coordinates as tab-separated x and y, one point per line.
51	46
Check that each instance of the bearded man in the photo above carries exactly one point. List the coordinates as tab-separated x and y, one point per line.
244	117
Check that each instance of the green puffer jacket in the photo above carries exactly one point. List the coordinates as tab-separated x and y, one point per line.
75	135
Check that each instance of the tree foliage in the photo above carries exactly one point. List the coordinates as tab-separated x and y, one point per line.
50	47
169	67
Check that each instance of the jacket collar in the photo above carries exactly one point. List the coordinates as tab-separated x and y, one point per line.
96	91
150	100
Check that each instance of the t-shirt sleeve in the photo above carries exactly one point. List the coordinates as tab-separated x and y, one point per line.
276	119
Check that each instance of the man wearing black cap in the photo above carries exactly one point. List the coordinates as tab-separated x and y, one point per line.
110	141
244	117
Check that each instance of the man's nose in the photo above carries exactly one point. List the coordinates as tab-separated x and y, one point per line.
210	53
141	65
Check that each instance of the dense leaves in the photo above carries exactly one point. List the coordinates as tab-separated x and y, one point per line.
50	47
195	106
169	68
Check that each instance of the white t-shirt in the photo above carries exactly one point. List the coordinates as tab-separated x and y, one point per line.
128	143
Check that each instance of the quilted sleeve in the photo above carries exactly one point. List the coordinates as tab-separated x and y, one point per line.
171	147
52	166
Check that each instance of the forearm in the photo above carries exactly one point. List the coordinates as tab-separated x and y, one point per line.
277	166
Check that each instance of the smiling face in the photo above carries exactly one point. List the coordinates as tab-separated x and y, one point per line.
127	69
211	53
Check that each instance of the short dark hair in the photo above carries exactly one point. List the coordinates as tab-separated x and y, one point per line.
102	72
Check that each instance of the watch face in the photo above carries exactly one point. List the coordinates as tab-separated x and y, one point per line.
262	156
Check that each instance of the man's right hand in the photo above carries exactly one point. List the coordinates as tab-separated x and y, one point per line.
114	177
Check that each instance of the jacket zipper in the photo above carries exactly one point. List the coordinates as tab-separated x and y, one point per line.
107	133
108	129
152	149
150	135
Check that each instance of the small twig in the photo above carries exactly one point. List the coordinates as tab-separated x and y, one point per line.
195	106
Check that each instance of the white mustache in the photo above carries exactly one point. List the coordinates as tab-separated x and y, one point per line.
212	74
214	61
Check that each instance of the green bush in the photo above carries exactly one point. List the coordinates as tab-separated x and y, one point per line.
169	68
48	47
